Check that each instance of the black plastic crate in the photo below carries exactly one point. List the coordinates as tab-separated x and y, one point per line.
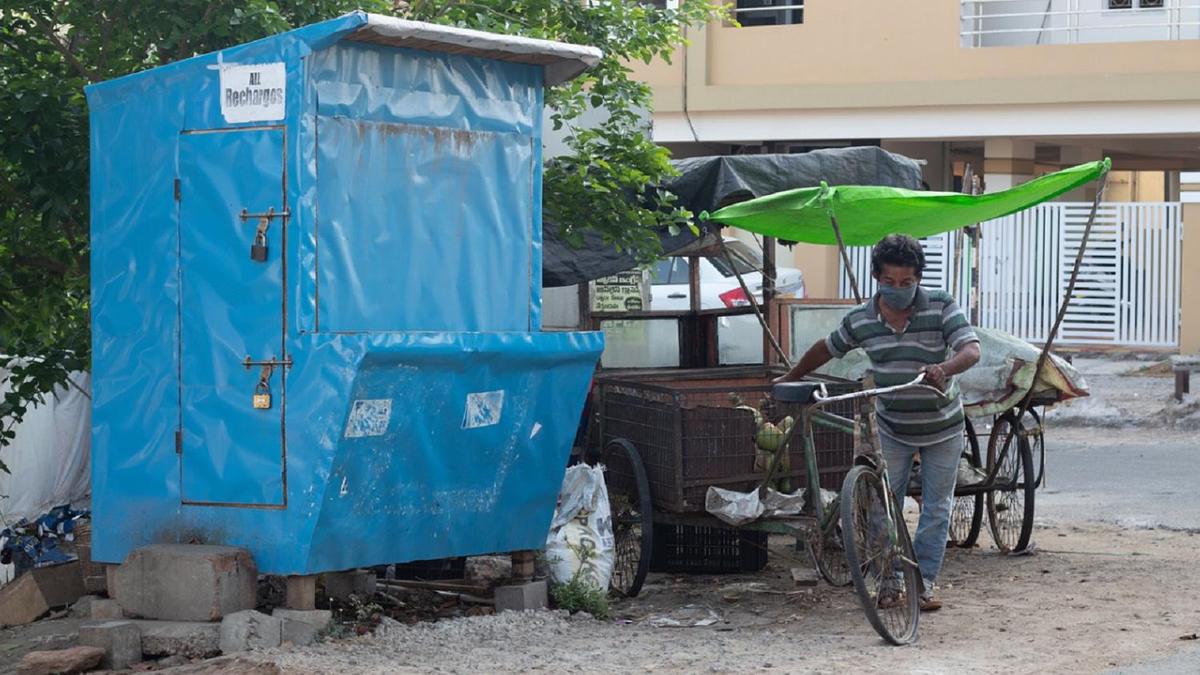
692	549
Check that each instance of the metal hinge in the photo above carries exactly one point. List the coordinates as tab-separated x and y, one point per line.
179	441
177	189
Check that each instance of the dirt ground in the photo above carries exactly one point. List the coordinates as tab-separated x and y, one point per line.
1099	592
1091	598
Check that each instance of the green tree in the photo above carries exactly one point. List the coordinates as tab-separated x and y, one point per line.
50	49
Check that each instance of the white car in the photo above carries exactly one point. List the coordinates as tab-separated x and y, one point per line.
739	338
719	286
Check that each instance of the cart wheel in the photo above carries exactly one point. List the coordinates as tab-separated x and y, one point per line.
1010	502
966	514
880	554
632	517
1037	443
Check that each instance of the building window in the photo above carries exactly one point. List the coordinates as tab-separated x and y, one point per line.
1132	4
769	12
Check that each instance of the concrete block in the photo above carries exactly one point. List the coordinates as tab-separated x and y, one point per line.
303	627
39	590
107	608
73	660
195	640
341	585
120	640
242	631
521	597
181	582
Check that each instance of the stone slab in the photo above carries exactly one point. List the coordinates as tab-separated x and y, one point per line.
193	639
181	582
62	661
120	640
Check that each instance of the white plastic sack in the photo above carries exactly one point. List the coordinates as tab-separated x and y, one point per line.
50	457
739	508
581	535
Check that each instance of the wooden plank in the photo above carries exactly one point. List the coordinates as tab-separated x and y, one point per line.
453	586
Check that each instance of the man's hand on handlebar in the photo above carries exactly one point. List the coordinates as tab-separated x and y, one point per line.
935	376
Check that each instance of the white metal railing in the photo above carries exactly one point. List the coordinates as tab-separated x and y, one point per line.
1128	292
997	23
785	6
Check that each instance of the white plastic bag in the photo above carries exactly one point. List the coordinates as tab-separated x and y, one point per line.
739	508
581	536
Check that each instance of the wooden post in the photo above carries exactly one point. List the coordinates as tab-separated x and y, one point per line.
694	283
768	290
302	592
585	306
522	566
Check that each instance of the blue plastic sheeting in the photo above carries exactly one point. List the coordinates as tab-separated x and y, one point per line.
453	185
415	410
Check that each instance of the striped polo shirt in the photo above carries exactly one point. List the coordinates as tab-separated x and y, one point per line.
936	328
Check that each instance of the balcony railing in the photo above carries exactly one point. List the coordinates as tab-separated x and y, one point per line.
768	12
1001	23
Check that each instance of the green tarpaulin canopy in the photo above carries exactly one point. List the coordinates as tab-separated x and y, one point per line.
865	214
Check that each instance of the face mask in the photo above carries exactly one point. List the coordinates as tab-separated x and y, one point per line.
897	298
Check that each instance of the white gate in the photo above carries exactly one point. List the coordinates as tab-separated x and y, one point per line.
1127	293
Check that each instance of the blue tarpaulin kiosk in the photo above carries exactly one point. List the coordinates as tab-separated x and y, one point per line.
316	266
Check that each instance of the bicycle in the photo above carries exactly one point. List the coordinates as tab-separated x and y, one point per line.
874	537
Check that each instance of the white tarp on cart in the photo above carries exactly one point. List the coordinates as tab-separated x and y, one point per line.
1003	375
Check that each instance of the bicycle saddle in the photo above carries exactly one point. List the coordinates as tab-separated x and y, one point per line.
796	392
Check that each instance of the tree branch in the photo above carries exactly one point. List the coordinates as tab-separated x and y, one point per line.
71	59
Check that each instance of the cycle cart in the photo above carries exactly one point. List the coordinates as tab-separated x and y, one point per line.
666	439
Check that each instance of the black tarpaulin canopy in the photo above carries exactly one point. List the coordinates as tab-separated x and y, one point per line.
708	183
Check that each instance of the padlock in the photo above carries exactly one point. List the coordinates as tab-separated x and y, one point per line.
262	396
258	250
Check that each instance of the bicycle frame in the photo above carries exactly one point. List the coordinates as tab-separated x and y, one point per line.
812	414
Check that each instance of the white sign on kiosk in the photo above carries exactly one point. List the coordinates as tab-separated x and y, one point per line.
253	93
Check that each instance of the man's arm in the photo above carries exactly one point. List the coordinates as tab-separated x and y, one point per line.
816	356
963	359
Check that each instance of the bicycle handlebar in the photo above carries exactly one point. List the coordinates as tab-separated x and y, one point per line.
822	394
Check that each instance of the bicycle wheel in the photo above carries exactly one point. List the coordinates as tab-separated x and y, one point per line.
966	514
829	553
1010	502
880	555
632	516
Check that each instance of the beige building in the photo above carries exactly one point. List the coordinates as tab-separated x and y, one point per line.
1011	88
